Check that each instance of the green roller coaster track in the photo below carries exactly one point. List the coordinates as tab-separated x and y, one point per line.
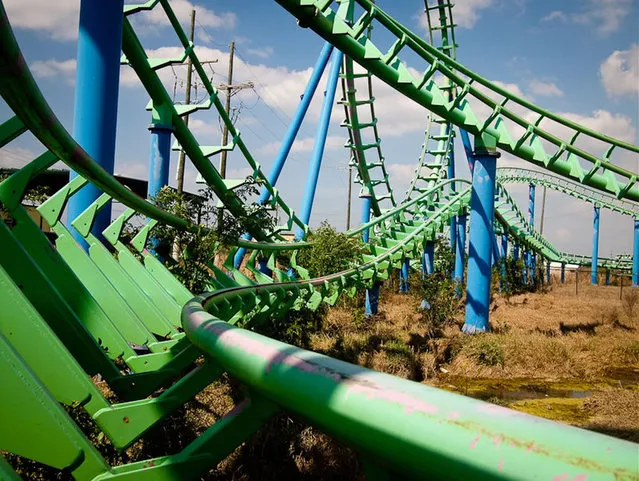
70	313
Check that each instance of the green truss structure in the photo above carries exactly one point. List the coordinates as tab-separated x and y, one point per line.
69	314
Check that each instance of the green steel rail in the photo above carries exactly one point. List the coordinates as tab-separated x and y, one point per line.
437	149
371	175
68	314
507	175
474	108
619	262
166	112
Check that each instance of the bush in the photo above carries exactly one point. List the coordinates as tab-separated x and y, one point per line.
331	252
197	246
440	303
489	353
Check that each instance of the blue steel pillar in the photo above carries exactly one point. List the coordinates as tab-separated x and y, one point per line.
452	190
531	220
96	98
372	293
159	161
504	245
460	254
548	272
607	276
526	258
428	258
563	272
595	246
291	134
515	251
504	260
635	256
403	275
160	158
262	265
320	142
482	216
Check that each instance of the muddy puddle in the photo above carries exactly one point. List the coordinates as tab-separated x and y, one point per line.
509	391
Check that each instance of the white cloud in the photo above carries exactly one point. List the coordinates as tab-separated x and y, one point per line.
303	145
555	15
262	52
200	126
55	19
545	89
605	16
620	72
59	69
465	13
204	17
15	157
614	125
59	19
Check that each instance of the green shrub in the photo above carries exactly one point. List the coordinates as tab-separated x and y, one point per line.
489	352
210	230
331	252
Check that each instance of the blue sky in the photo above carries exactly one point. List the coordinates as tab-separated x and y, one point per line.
578	58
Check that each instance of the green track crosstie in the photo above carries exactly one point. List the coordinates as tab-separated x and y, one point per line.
115	310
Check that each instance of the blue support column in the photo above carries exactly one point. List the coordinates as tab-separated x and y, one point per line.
531	220
635	256
563	272
372	293
404	272
515	252
548	272
320	142
460	254
504	245
428	258
526	258
607	276
96	98
504	260
262	265
291	134
452	190
160	158
595	246
498	261
482	216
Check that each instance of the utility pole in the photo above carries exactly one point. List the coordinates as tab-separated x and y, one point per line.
348	205
187	100
225	134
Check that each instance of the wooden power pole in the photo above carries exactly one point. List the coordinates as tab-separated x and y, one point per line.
225	133
187	100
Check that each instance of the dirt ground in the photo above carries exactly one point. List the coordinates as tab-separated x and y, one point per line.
569	357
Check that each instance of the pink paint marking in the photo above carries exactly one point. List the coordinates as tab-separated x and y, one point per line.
474	442
531	448
501	464
497	441
562	477
454	415
580	477
409	403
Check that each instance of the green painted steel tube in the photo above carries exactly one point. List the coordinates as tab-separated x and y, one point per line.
408	428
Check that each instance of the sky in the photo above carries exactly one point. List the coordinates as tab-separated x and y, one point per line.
577	58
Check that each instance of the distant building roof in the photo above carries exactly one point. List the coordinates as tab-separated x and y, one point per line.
58	178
